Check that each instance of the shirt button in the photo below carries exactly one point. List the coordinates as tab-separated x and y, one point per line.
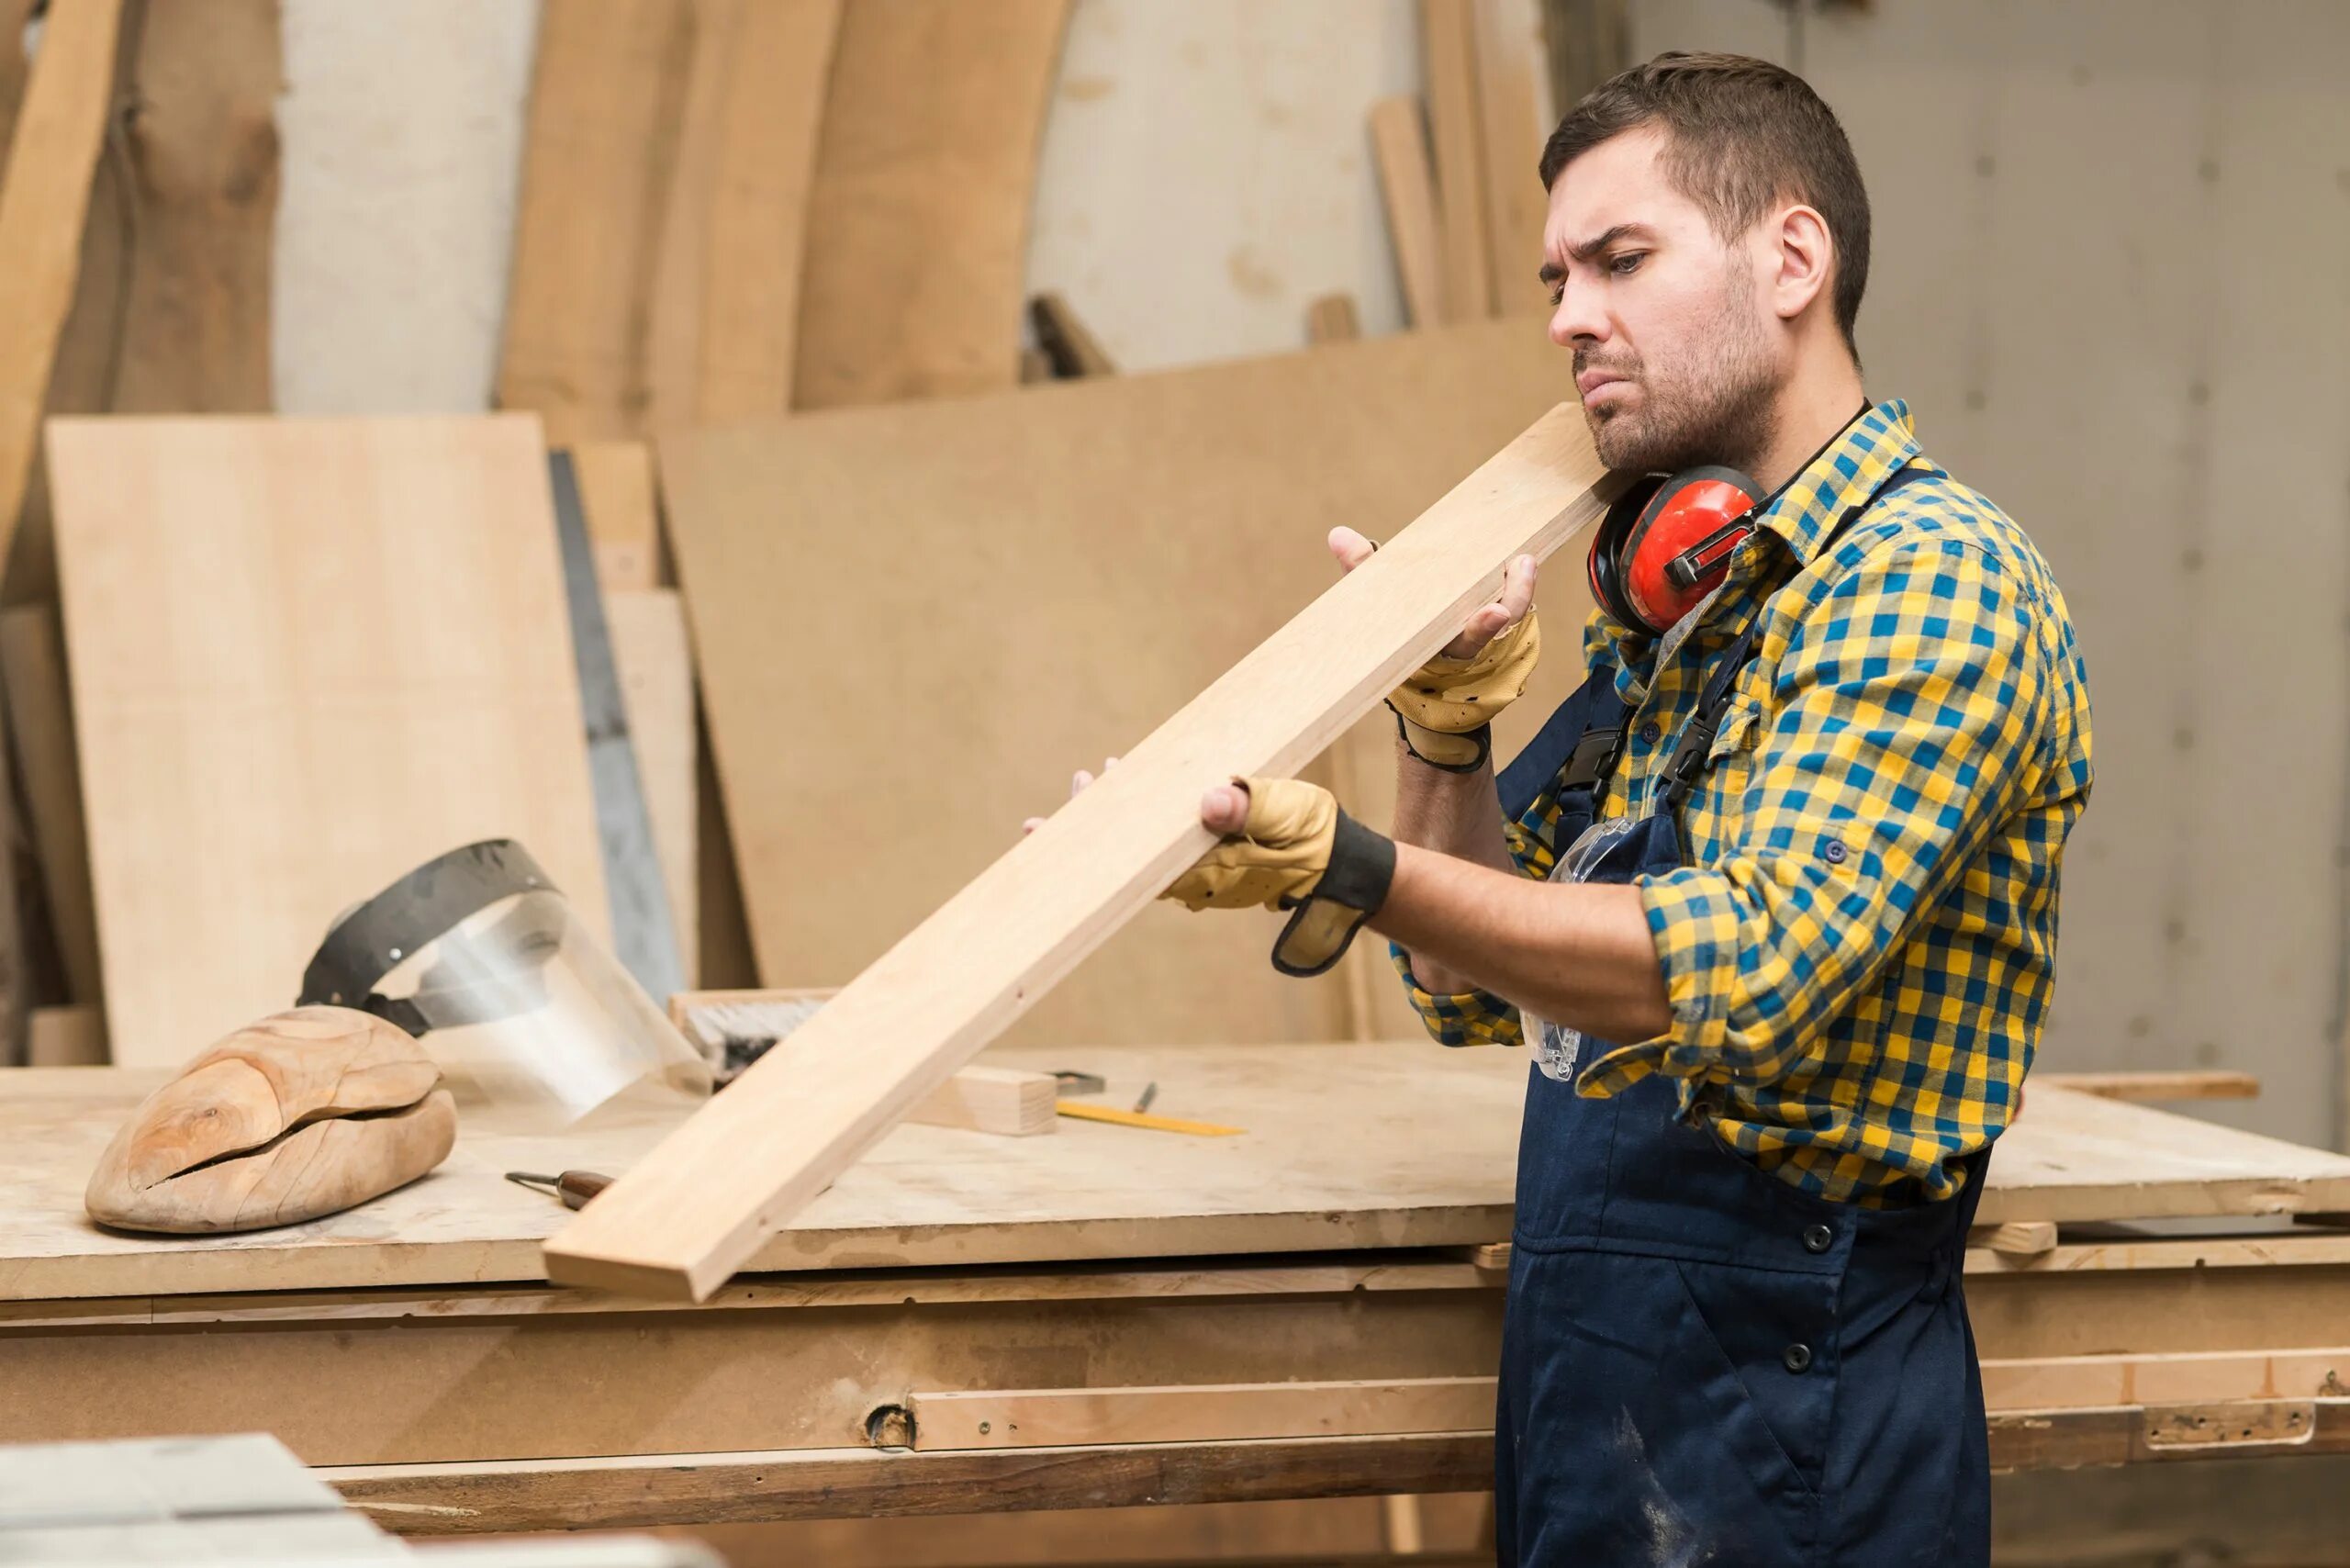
1834	852
1650	734
1797	1356
1818	1239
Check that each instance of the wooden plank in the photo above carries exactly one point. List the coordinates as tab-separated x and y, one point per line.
66	1036
928	149
607	92
726	307
1054	1418
303	714
2078	1157
2056	1383
656	673
698	1207
32	668
1399	144
44	196
2187	1084
1515	202
1456	134
996	535
2016	1239
717	1488
616	493
1296	1182
14	14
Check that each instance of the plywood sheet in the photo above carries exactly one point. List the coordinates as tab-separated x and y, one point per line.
916	258
306	655
1061	569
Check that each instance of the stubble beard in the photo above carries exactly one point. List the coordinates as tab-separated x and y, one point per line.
1724	410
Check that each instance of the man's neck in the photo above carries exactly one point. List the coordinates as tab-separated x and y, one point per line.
1814	409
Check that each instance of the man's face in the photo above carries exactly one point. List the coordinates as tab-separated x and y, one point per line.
1676	354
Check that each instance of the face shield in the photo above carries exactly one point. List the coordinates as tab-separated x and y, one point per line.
479	956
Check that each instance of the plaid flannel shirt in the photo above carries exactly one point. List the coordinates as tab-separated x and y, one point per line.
1859	949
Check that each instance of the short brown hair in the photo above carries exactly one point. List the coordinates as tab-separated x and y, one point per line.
1740	134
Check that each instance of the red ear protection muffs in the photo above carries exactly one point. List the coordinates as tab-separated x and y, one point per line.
1666	543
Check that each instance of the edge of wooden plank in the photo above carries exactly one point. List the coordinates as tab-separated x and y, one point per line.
1399	145
696	1208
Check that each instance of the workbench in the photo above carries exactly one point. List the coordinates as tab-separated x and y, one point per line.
1101	1316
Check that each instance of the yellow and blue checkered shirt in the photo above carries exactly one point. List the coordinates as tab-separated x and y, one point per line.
1860	946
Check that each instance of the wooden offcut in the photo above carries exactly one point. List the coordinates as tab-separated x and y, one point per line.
275	718
788	1126
616	493
1072	563
1399	145
44	196
917	226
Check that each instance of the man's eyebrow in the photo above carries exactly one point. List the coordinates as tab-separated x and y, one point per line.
1551	272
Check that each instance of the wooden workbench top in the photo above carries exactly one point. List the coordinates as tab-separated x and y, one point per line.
1346	1147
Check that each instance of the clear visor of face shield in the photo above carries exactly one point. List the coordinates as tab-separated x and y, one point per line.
1557	1047
482	958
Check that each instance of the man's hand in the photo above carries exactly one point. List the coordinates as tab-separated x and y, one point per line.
1286	845
1445	707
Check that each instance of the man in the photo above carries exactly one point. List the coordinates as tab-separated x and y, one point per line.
1784	994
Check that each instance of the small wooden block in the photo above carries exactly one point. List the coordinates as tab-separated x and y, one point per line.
2016	1238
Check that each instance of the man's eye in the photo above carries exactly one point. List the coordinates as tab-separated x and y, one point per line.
1627	264
1558	295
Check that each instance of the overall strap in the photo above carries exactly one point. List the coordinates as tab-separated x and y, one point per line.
1577	745
1688	763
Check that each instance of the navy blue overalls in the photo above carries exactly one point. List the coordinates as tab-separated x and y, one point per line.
1701	1363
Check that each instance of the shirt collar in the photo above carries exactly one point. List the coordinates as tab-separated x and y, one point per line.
1871	448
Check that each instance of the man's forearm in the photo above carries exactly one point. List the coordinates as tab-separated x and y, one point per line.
1577	953
1458	814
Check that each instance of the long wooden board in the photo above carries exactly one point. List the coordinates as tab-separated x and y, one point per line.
917	251
1399	144
1064	568
44	195
698	1207
305	656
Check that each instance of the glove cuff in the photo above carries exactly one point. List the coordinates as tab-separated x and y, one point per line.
1447	751
1351	889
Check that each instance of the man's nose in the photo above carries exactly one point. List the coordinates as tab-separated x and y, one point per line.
1579	317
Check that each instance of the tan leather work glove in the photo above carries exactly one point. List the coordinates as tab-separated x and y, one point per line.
1445	708
1297	851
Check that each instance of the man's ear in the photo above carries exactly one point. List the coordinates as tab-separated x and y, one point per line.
1802	255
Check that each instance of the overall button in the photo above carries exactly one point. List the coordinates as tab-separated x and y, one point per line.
1650	734
1818	1239
1834	852
1797	1356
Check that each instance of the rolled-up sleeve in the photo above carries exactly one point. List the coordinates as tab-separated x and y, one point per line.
1478	1017
1897	735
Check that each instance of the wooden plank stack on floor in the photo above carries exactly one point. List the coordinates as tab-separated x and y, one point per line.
276	719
